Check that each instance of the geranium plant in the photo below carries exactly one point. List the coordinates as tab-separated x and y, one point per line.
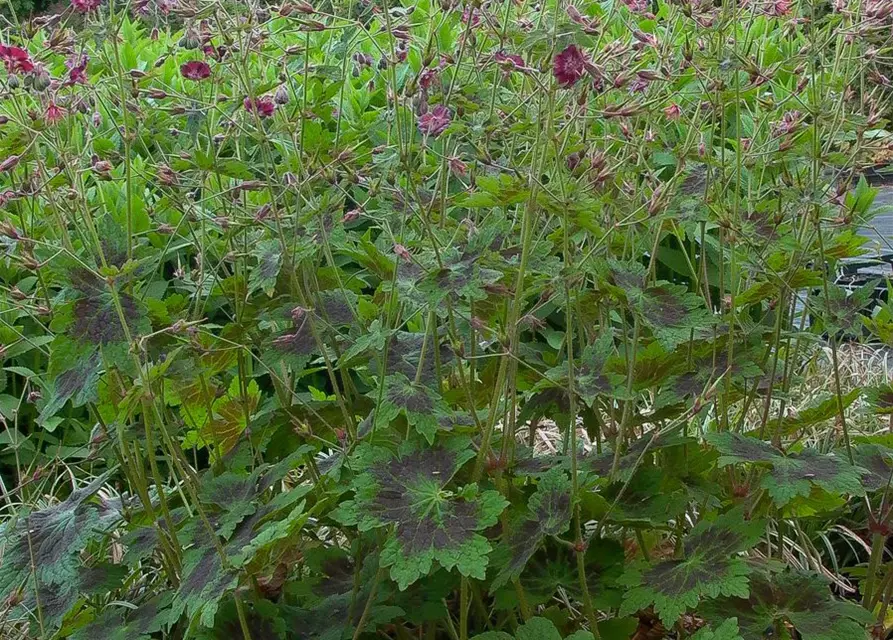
497	320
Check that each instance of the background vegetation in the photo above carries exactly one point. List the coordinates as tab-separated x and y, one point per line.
496	320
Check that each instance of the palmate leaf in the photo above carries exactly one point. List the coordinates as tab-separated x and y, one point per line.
95	317
711	567
824	408
90	332
880	399
556	568
53	537
43	556
228	418
591	379
840	311
727	630
404	355
331	599
627	276
423	408
652	497
735	447
707	368
793	597
537	628
794	475
74	373
791	475
237	495
268	254
251	528
57	600
876	462
549	514
462	276
205	582
292	343
641	449
672	312
430	522
115	623
336	308
547	401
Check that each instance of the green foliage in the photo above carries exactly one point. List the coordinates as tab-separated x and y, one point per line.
442	320
791	475
534	629
549	514
800	599
431	523
709	568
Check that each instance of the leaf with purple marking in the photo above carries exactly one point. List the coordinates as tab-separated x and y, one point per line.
796	598
548	514
711	567
430	521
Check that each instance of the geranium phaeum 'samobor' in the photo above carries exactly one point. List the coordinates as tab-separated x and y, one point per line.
195	70
569	66
85	6
435	121
16	59
263	106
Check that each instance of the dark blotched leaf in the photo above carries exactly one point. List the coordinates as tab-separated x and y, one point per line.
549	514
793	597
711	567
431	522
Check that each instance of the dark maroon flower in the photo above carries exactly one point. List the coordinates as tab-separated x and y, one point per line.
435	121
428	78
54	113
195	70
673	112
215	53
788	123
16	59
574	14
263	106
85	6
6	197
569	66
77	70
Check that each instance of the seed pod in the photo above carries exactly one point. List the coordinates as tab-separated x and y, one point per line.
41	80
190	41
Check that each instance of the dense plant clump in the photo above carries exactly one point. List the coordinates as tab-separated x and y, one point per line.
471	319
